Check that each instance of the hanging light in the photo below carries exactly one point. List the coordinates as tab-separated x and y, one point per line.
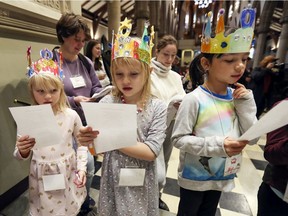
202	3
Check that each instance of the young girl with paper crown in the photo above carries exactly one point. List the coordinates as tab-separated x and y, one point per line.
58	161
212	117
131	77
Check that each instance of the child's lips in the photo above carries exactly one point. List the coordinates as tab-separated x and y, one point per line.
127	88
236	76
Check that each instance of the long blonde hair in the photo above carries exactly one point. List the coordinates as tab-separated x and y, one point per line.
47	82
145	68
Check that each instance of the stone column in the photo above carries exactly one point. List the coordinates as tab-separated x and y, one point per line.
141	16
283	39
154	19
181	27
163	19
114	16
262	30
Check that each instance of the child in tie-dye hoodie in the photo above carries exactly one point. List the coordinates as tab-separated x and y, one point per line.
208	122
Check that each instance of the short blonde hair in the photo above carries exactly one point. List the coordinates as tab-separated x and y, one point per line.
145	68
47	82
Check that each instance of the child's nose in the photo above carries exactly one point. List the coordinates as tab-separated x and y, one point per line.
126	80
48	95
240	67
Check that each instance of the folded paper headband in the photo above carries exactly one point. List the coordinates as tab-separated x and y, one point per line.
126	46
45	65
237	42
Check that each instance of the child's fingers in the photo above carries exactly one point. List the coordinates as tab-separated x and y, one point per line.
22	138
238	85
233	147
25	144
240	92
85	129
86	136
80	179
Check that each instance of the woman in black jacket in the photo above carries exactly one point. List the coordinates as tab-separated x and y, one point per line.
263	78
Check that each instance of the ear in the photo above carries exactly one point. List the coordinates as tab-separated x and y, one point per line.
205	63
156	53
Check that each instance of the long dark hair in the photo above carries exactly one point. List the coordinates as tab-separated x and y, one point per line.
196	72
89	54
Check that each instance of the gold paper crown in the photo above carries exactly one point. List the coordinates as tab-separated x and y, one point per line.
237	42
126	46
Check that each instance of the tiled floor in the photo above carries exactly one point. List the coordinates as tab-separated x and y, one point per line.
241	201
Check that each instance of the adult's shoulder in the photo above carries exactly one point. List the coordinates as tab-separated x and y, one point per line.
174	74
88	59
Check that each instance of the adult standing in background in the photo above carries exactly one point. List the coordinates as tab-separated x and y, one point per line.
101	67
263	77
80	81
166	85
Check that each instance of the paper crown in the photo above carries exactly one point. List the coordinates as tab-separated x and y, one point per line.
126	46
237	42
45	65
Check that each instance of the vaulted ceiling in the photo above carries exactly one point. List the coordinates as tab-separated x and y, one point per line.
92	9
96	10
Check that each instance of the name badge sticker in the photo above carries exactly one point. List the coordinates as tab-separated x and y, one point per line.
132	177
232	164
77	81
53	182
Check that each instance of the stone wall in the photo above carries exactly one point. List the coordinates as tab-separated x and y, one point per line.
22	24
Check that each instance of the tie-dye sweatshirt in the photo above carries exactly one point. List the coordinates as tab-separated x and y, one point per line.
202	123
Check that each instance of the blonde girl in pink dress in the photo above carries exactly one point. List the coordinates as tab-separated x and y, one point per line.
60	158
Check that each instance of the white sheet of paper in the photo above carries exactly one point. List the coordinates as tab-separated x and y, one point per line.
272	120
116	123
53	182
103	92
38	122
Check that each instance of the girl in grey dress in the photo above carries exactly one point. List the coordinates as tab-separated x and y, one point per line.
131	78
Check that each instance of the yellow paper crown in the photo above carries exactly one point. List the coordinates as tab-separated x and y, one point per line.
237	42
126	46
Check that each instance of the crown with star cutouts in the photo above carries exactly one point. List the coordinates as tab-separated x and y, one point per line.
126	46
237	42
45	65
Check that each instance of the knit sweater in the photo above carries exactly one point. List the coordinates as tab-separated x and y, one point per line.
202	123
165	82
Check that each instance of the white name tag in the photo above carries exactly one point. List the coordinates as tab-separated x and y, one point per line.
132	177
77	81
232	164
53	182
